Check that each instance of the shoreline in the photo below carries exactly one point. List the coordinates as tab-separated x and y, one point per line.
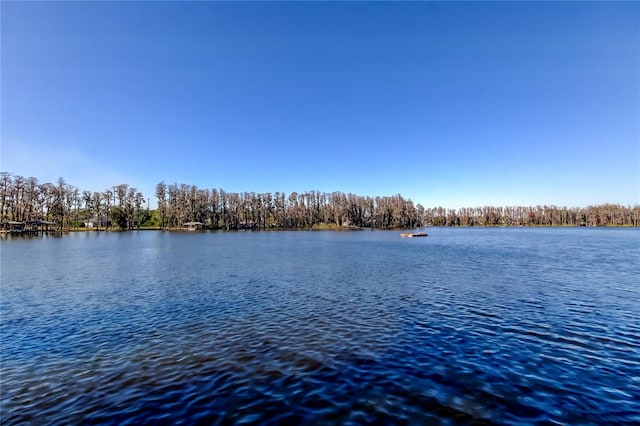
333	229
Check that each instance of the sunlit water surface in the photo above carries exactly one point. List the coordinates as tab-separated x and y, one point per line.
507	326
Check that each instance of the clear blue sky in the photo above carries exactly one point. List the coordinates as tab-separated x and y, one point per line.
449	103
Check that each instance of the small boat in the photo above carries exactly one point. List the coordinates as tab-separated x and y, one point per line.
413	234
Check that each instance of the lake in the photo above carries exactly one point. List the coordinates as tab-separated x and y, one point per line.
468	325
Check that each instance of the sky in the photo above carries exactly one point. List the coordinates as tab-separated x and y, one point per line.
453	104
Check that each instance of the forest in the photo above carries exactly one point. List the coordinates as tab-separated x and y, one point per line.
123	207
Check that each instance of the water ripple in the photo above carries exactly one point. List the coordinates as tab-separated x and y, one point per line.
326	328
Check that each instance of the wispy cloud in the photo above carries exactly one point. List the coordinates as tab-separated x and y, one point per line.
47	163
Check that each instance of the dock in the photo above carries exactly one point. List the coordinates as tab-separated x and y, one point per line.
26	227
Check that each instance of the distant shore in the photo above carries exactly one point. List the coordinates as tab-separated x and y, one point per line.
329	228
27	205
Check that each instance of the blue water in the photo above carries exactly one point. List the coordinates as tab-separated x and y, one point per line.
468	325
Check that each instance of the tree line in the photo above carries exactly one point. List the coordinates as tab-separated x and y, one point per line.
25	199
182	203
123	207
540	215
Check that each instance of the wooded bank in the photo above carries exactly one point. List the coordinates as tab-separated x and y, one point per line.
123	207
